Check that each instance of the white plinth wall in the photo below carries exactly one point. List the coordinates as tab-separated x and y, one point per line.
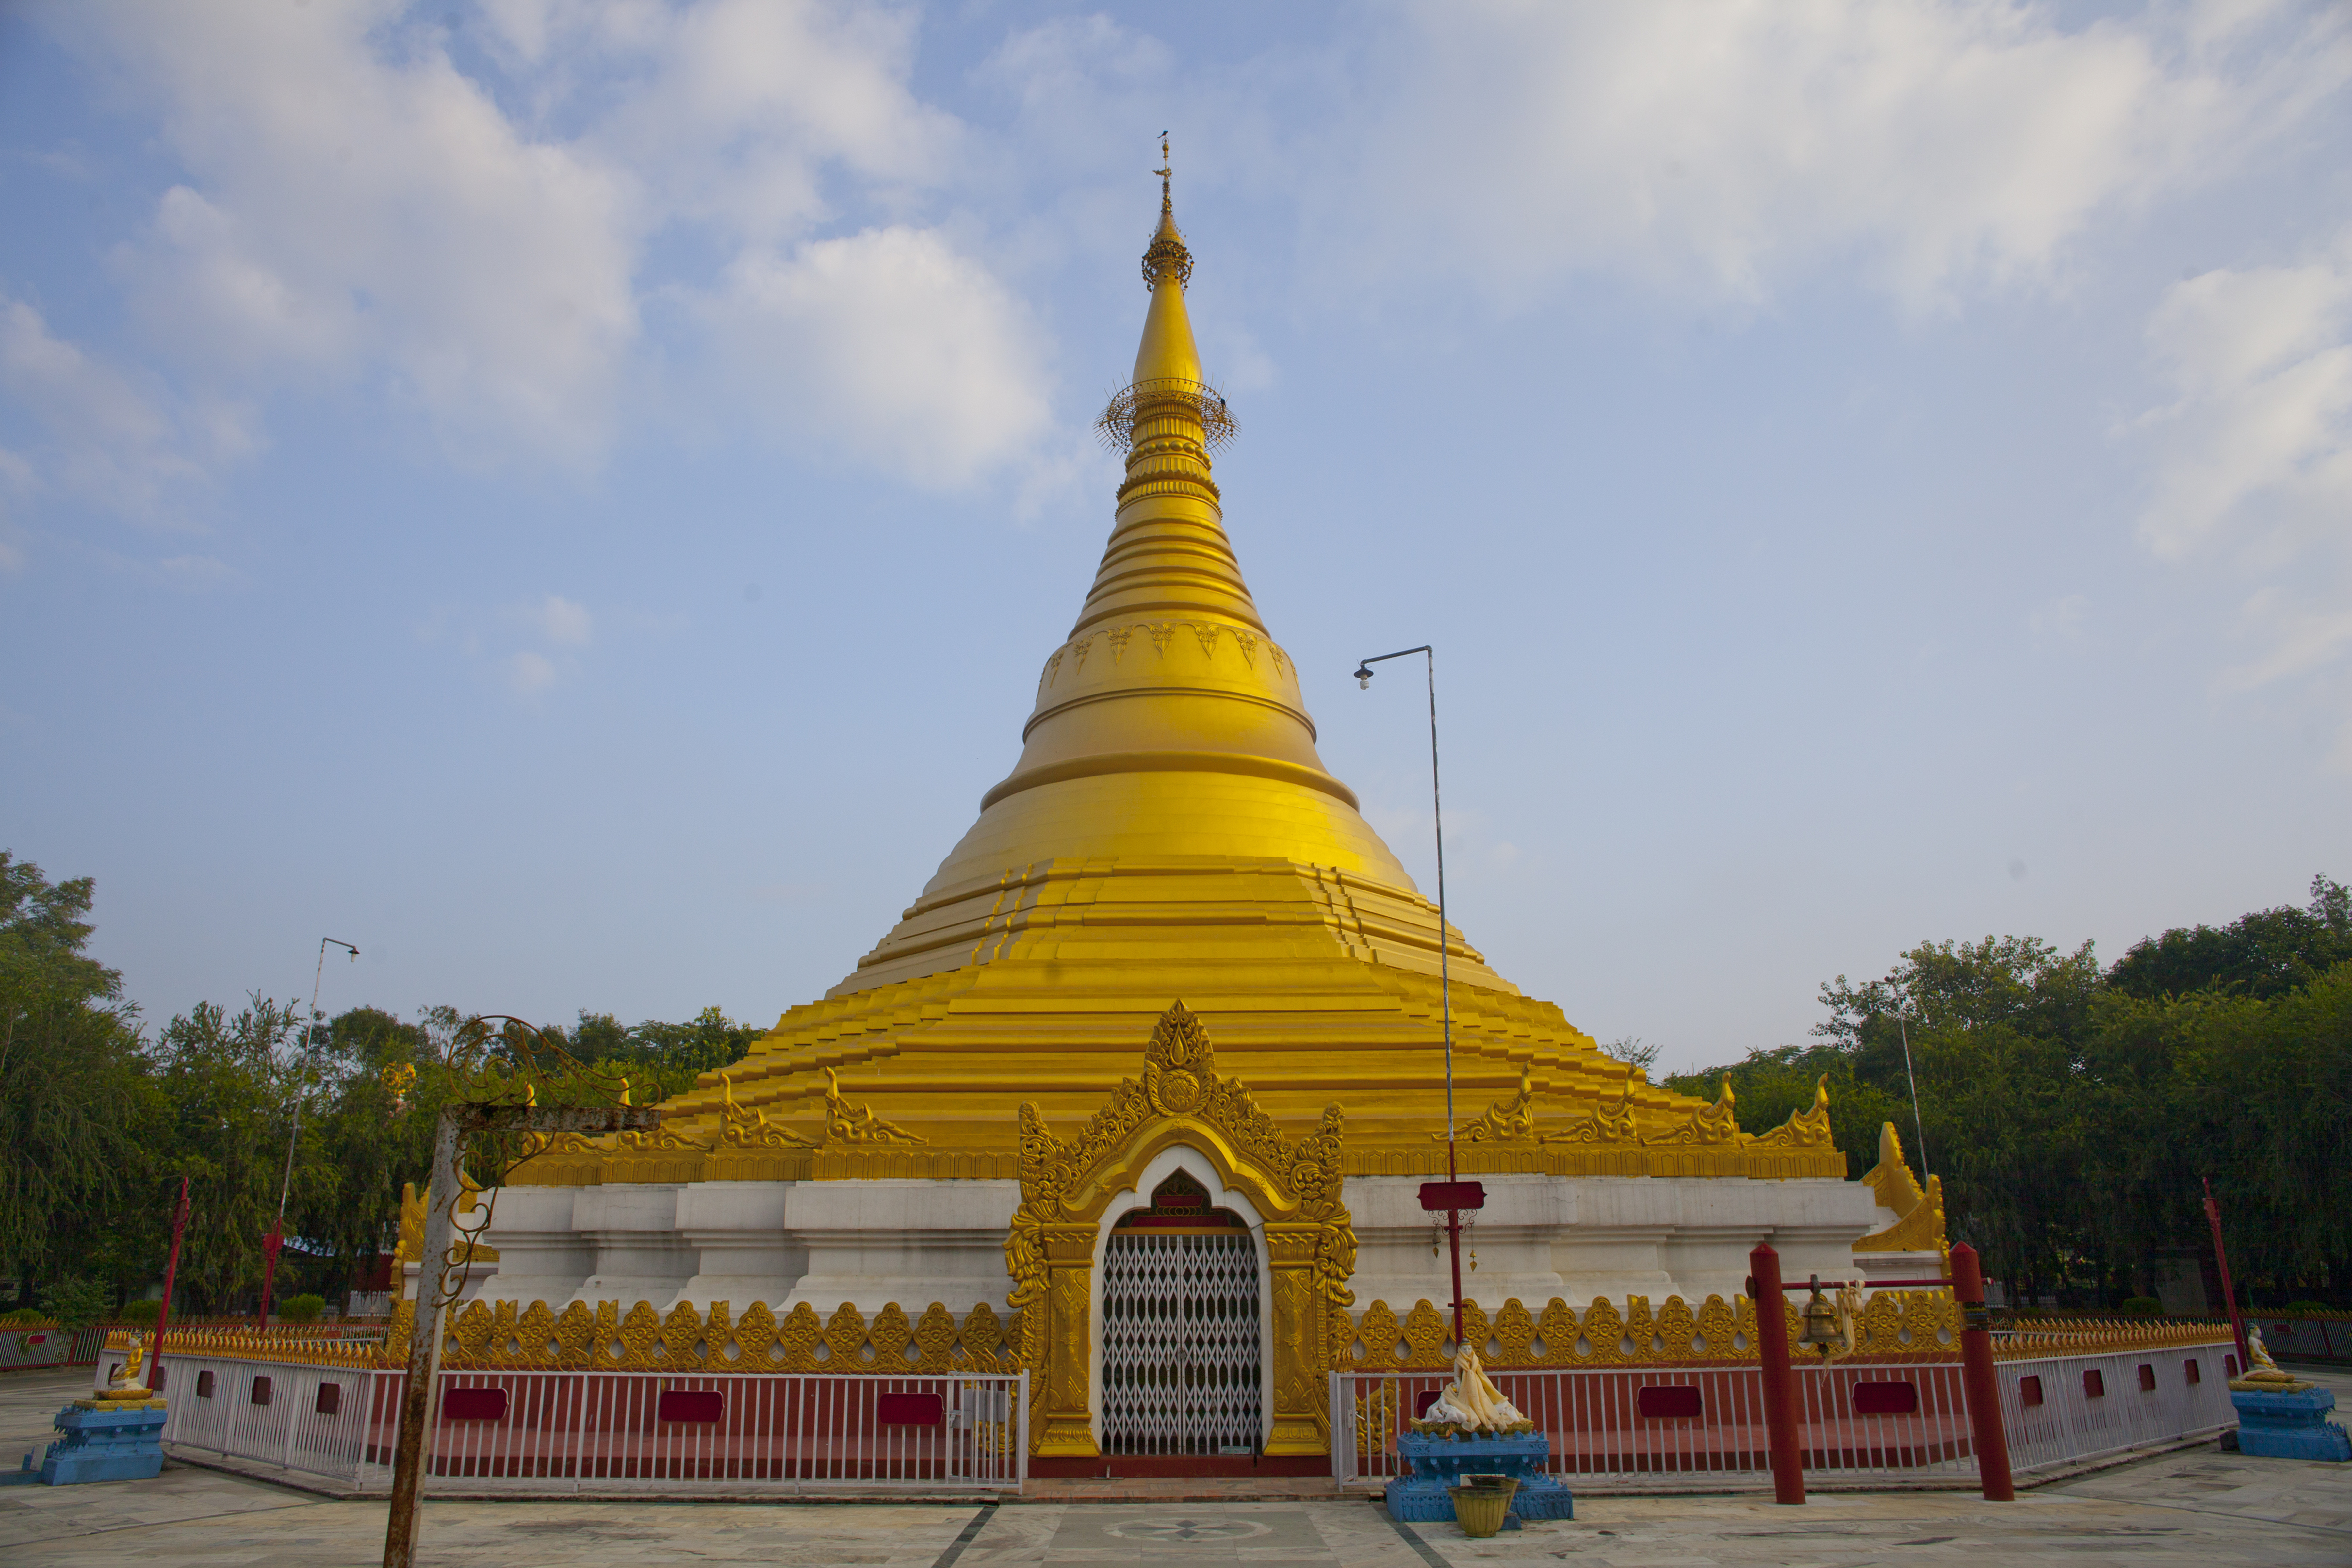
914	1242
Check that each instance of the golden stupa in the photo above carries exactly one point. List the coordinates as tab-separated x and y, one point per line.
1159	1051
1170	834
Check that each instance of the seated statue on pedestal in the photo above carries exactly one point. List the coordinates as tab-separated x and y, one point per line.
1472	1402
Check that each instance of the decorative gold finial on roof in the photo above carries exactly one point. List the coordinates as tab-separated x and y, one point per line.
1167	255
1168	379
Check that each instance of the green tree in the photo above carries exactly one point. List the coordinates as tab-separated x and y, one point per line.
371	1147
76	1106
2269	953
230	1083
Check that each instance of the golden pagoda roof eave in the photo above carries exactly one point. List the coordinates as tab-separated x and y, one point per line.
1173	763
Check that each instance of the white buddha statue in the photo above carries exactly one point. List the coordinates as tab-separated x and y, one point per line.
1472	1401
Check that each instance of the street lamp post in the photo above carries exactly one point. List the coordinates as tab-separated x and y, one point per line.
1917	1125
277	1237
1456	1194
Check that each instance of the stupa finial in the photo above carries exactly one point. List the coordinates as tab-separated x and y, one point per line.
1168	256
1167	380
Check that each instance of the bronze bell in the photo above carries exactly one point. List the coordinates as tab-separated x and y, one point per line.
1821	1322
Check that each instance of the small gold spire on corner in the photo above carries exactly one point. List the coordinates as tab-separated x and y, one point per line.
1710	1124
846	1123
1804	1129
1511	1120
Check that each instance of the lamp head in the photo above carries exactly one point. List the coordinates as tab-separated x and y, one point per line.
1364	676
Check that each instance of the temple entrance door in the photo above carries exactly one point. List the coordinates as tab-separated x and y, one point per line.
1181	1364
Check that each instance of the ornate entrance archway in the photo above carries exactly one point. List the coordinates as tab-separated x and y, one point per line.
1182	1365
1068	1188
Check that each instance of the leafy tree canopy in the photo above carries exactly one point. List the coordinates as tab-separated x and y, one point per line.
2263	954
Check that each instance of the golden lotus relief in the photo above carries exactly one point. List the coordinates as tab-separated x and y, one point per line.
1208	634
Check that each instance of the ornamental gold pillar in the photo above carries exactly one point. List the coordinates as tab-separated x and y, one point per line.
1300	1424
1065	1412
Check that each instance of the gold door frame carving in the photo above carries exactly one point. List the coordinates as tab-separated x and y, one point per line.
1067	1188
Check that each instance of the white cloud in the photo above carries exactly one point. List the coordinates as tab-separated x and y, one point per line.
358	209
1725	146
2256	446
561	621
530	673
357	202
2302	637
118	440
2254	455
889	344
747	103
2253	458
2062	617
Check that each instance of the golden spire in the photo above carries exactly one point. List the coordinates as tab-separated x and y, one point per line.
1166	360
1169	722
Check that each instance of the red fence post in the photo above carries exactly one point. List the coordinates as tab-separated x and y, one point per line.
170	1278
2229	1291
1976	1375
1779	1384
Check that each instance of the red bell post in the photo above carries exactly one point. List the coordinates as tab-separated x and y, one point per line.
1779	1383
171	1276
1976	1377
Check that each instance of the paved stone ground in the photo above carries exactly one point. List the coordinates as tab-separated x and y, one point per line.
2197	1507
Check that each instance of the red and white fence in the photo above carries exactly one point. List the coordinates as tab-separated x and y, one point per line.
2063	1410
547	1433
1703	1428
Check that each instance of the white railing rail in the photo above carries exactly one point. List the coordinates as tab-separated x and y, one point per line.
2053	1417
1703	1428
550	1433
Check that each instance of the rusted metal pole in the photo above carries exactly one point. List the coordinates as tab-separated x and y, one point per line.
1779	1383
423	1341
410	1453
1976	1377
2229	1291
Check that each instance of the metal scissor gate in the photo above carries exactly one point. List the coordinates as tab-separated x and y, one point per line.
1181	1360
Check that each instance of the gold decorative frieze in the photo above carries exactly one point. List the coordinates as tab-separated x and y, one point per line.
1897	1324
1208	634
483	1337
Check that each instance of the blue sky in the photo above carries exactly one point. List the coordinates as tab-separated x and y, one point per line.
574	498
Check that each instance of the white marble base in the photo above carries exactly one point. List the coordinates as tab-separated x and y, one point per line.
872	1243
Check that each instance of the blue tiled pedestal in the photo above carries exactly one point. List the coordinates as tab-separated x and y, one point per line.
1439	1461
2289	1425
103	1444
